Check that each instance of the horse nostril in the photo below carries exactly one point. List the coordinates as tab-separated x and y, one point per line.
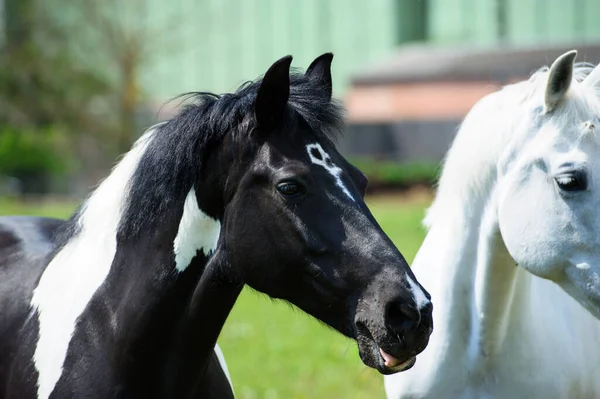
402	316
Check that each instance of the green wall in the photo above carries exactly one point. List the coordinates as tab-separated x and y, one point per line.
215	45
221	43
526	21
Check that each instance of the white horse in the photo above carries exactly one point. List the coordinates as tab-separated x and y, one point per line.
513	247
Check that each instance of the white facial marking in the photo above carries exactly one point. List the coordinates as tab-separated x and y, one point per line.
197	232
582	266
223	364
418	294
78	270
329	166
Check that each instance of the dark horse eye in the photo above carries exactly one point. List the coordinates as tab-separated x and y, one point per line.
289	188
571	181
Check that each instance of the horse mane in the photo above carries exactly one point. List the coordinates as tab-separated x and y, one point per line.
177	149
469	168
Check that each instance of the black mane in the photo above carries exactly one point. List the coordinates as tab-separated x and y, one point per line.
175	153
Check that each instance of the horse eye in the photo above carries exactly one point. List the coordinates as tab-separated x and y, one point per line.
572	181
289	188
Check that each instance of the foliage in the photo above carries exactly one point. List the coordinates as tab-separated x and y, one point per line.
41	85
74	64
385	174
116	40
29	152
48	101
275	351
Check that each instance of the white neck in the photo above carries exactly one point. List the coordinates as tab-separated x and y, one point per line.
496	291
445	264
464	263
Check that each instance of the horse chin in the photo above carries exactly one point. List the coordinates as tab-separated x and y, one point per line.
375	357
408	364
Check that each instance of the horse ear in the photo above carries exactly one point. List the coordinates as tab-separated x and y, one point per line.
593	78
559	79
273	94
319	71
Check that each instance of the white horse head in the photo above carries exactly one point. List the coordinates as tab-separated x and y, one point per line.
549	183
515	223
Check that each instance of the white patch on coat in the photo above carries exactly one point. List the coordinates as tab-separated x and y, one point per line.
78	270
329	166
583	266
223	364
197	232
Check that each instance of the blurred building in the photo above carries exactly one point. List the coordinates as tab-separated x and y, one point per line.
218	44
408	69
407	105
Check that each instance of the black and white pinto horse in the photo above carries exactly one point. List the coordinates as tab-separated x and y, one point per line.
128	297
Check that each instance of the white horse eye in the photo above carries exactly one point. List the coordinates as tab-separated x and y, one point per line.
572	181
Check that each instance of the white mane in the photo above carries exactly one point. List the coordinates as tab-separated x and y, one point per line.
470	165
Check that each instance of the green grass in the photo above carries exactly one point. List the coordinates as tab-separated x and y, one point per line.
399	174
50	209
275	351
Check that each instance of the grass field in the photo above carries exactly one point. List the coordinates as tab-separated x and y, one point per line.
275	351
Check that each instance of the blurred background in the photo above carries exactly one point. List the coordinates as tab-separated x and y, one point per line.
80	80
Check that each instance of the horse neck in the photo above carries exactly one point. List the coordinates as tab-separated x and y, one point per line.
445	264
476	285
137	288
200	327
186	298
185	293
182	304
499	292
